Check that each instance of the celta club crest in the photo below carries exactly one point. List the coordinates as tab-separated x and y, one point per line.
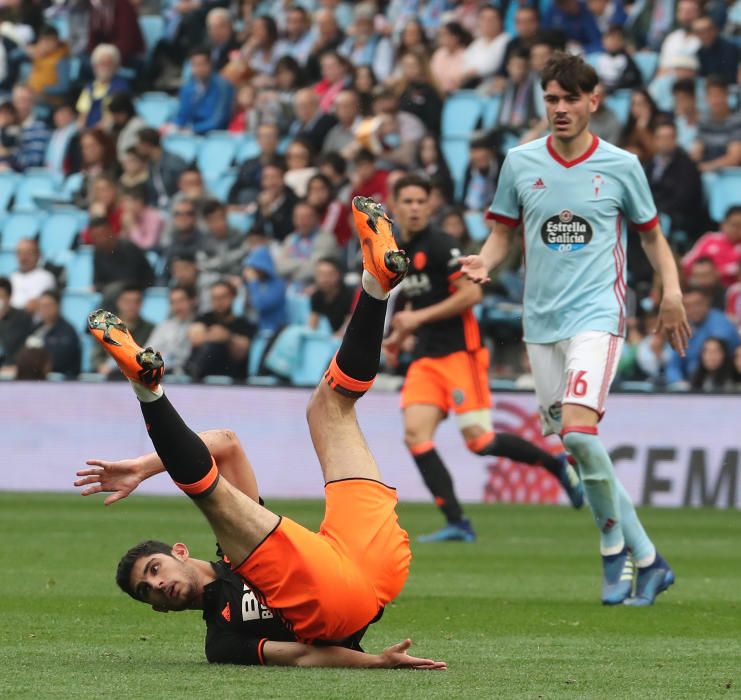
512	482
597	181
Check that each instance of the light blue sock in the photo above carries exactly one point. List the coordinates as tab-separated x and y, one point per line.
600	486
640	544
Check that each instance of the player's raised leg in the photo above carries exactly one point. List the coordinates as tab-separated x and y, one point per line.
238	522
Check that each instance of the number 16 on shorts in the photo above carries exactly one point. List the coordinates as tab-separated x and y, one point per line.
576	384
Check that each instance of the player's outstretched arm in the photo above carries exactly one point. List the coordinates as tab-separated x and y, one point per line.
493	252
122	477
296	654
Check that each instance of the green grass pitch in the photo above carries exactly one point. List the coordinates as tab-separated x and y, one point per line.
516	615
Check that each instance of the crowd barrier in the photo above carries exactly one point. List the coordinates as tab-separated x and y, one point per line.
668	450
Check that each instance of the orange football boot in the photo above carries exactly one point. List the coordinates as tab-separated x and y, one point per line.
144	366
381	256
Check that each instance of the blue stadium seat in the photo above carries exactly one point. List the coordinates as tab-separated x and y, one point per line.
491	111
647	62
314	357
8	183
593	58
153	27
456	155
77	304
298	307
220	185
156	108
87	342
477	228
8	262
156	304
80	269
461	113
183	145
72	184
18	226
724	192
38	183
216	154
58	233
619	102
247	148
242	221
157	262
257	350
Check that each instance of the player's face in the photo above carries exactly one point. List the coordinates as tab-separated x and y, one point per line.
568	113
165	582
412	209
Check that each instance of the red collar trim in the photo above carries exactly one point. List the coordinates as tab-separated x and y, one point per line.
570	163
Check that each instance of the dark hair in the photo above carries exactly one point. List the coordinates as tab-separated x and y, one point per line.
615	29
289	63
695	289
481	142
364	156
632	122
572	73
187	289
334	160
458	212
131	151
716	81
97	221
130	288
121	102
298	8
149	136
459	32
106	144
329	260
704	259
48	30
732	211
718	377
185	257
522	52
138	192
401	50
200	51
411	180
6	285
225	283
685	85
663	120
275	162
488	6
32	364
125	566
271	28
52	293
211	206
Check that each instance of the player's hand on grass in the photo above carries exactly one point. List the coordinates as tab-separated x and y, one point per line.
396	657
473	267
673	322
120	478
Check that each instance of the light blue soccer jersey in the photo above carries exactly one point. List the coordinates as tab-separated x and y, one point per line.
574	217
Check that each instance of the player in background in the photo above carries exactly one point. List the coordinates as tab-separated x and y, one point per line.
573	193
313	593
450	367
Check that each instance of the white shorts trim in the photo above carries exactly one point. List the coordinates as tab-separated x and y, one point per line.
577	370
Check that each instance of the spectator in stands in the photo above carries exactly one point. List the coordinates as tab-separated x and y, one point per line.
247	184
480	181
164	167
578	24
205	99
341	137
246	116
715	369
417	91
367	180
675	182
49	77
266	290
64	143
687	116
397	134
221	40
485	55
717	55
637	136
15	325
103	202
141	224
183	236
259	54
92	105
297	255
184	273
310	123
220	339
277	105
192	186
723	249
615	67
680	42
607	13
170	336
412	36
681	67
365	47
31	279
223	248
718	142
334	167
430	162
275	202
328	37
128	307
33	362
117	263
705	323
336	73
135	172
518	110
705	276
333	214
297	41
299	166
10	136
116	22
453	222
125	125
97	157
448	62
332	299
603	122
364	84
34	136
527	26
57	335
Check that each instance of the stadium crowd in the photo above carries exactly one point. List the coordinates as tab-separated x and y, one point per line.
196	159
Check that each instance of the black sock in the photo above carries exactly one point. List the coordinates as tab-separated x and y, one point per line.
438	481
519	450
360	352
183	453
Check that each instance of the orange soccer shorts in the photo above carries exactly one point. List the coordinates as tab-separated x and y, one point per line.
328	585
457	382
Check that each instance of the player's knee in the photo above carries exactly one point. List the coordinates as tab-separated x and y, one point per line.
479	441
416	440
579	444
